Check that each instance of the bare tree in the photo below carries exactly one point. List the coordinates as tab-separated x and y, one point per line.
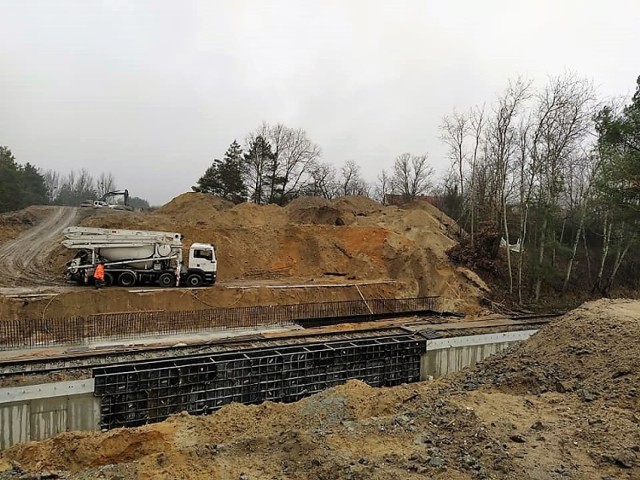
76	187
453	131
476	128
322	181
382	187
351	182
564	115
294	156
412	175
502	141
580	186
105	183
527	169
53	184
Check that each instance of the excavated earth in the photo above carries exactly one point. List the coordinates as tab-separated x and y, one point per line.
562	405
327	247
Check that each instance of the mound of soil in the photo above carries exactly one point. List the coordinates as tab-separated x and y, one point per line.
206	201
354	238
357	205
22	217
485	423
591	352
317	211
12	223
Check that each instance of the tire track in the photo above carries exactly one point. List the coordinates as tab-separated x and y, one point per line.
23	260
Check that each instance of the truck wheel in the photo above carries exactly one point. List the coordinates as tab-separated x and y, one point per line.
194	280
108	279
127	279
167	280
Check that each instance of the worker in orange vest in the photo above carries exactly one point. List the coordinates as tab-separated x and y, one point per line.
98	275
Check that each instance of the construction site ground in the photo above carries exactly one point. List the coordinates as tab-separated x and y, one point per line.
312	250
563	404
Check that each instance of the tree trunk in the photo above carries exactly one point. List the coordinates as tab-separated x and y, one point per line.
606	240
506	234
616	265
543	239
586	253
567	275
472	197
523	235
553	258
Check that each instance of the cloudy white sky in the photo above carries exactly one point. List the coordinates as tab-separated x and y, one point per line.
154	90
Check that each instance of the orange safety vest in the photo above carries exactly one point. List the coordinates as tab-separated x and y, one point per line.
99	273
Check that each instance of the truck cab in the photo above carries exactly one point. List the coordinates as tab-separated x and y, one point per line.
202	265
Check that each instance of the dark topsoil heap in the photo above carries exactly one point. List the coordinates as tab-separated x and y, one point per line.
563	404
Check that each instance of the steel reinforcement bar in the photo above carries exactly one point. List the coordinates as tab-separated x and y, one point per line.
31	333
147	392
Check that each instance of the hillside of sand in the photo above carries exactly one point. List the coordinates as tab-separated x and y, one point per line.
310	241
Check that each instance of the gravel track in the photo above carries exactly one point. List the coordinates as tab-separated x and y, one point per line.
23	261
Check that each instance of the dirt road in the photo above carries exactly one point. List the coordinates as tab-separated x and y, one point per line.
23	260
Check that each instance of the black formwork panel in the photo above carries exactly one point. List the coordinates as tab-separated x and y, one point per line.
149	391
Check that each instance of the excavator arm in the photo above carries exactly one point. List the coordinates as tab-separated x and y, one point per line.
116	193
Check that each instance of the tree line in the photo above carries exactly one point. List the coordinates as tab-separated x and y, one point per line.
278	164
25	185
20	185
557	172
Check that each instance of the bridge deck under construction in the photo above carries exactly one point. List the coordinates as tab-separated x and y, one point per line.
42	332
155	364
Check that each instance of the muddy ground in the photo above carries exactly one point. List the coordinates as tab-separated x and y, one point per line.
562	405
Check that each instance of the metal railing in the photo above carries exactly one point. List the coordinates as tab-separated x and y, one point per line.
32	333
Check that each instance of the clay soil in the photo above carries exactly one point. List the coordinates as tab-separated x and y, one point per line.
563	404
348	241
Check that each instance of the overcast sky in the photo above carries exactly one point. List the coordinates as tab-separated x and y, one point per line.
153	91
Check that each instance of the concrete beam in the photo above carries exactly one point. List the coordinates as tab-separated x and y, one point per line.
473	340
47	390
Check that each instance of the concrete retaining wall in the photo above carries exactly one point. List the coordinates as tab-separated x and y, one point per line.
447	355
37	412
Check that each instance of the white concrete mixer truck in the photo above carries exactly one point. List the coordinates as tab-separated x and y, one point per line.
132	257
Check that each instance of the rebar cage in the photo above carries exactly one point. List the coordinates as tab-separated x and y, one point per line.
149	391
31	333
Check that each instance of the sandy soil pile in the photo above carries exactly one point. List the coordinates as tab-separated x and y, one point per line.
595	360
14	223
311	237
310	240
492	421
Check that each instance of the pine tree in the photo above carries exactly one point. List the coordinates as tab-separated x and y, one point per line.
32	184
20	186
256	161
9	186
618	184
619	145
225	177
